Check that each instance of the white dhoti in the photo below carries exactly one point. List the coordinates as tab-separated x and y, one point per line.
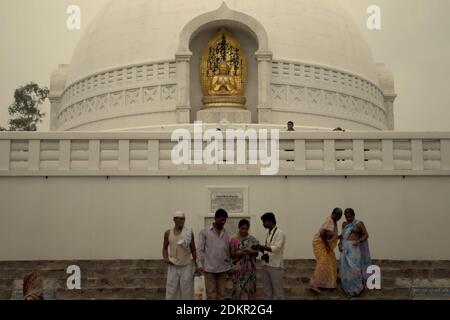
180	282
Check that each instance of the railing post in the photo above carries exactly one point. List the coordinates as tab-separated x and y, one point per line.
358	155
153	155
300	155
417	154
183	100
94	155
34	155
387	149
445	154
329	155
64	155
5	155
124	155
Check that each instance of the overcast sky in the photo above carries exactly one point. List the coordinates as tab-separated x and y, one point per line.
414	43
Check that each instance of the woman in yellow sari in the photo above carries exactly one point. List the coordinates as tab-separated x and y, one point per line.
324	243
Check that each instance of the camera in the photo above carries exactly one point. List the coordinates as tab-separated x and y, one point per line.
265	257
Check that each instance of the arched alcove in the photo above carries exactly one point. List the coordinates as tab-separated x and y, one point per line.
251	34
249	45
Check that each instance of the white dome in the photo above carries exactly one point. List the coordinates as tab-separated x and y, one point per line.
137	66
135	31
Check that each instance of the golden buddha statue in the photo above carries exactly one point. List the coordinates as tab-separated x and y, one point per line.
223	83
223	69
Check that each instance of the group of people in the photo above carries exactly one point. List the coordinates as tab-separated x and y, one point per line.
220	257
355	254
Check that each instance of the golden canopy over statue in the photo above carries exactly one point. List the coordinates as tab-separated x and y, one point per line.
223	72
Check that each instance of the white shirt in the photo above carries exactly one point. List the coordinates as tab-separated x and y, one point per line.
276	243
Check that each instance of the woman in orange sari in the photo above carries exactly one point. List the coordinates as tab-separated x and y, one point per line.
324	243
33	287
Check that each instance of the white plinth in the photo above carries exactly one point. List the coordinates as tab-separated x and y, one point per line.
217	115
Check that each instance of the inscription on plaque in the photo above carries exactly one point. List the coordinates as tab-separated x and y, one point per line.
232	202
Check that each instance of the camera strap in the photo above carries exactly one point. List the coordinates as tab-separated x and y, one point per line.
273	234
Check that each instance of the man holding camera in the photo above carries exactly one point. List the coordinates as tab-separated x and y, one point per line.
272	258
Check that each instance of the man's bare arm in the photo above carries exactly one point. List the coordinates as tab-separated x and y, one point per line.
165	250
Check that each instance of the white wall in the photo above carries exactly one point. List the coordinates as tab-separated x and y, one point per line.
125	217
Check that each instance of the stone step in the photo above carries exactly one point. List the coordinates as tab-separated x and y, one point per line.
161	282
159	294
5	294
154	272
161	272
101	268
111	294
136	264
145	279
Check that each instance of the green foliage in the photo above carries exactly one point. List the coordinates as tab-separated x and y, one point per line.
24	112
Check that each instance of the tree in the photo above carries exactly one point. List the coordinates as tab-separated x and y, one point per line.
25	110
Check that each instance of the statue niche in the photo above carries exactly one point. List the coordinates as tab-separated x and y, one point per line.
223	72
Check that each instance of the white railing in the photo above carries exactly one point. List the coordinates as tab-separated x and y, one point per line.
118	90
149	154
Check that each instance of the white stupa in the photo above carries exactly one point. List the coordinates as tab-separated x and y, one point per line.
137	67
105	183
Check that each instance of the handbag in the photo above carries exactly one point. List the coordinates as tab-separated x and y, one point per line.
199	288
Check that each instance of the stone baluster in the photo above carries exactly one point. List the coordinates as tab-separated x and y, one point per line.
300	155
329	155
358	155
5	154
34	155
64	154
445	154
153	155
124	155
417	154
94	155
387	149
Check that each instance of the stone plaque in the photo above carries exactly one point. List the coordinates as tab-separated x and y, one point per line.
231	201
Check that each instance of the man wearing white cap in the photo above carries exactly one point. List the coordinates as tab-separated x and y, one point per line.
179	253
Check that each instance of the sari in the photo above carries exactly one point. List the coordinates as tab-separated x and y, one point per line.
244	270
354	262
32	287
325	274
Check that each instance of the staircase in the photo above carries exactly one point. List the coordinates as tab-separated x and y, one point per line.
145	279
